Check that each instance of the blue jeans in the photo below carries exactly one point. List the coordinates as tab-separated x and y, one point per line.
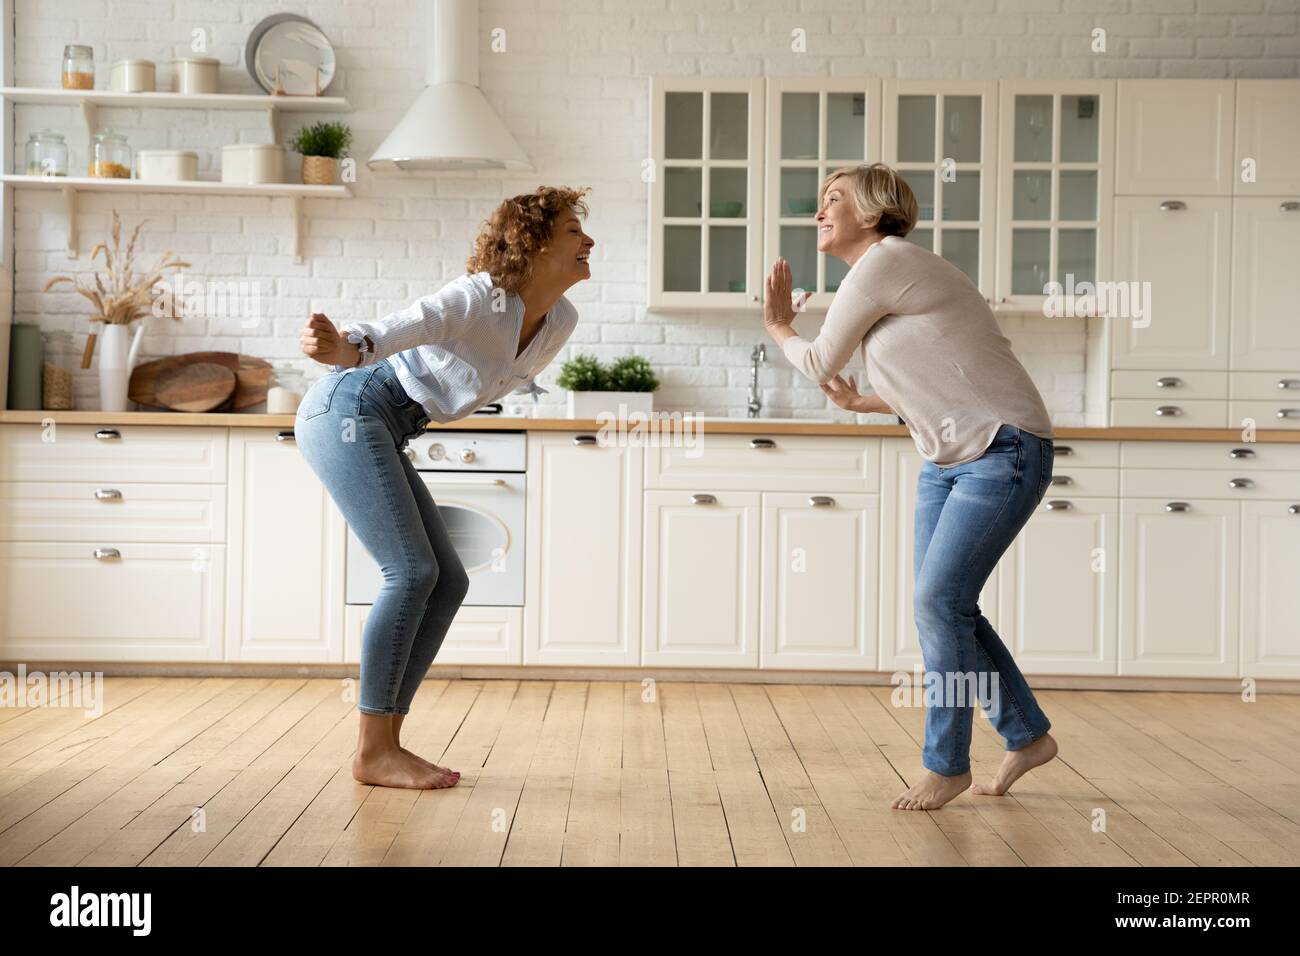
966	516
352	428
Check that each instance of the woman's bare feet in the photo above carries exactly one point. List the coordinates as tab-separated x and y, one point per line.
931	792
1016	764
394	768
454	774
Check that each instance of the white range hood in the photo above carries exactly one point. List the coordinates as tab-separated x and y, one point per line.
450	125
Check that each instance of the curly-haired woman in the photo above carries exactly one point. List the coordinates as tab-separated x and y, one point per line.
479	337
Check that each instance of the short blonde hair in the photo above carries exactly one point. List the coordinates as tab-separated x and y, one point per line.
877	191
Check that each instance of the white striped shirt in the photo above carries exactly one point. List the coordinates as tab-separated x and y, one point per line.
454	351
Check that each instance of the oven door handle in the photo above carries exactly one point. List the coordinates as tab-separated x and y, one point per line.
471	482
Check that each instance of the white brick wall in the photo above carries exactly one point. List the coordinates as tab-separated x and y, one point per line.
572	87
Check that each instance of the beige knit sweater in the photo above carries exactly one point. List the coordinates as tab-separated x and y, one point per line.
932	350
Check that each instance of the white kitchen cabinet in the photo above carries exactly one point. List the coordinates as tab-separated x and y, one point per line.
701	578
1182	247
1270	600
1265	331
1055	186
942	137
1174	137
486	634
286	555
1179	566
819	581
814	126
1059	584
1268	138
582	601
706	193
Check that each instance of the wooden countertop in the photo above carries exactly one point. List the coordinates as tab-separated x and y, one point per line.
738	426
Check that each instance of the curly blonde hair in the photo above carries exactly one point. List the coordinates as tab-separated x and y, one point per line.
511	238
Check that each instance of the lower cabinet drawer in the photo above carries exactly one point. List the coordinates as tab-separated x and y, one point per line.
112	453
767	463
1284	412
1068	481
1230	456
1282	387
1247	484
1169	413
149	602
80	511
1169	387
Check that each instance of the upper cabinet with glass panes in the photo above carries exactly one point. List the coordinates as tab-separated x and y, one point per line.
705	175
1055	188
941	138
814	127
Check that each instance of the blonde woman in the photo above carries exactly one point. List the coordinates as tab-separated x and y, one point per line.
480	336
935	356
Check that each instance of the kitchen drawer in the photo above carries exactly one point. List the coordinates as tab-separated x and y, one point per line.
76	511
1178	385
148	453
1281	387
1253	456
156	602
1183	484
1085	453
1144	413
1071	482
1280	413
767	463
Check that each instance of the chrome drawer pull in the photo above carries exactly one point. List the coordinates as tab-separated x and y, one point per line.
821	501
1169	382
1063	451
584	439
1178	506
1241	483
285	436
108	494
1059	505
703	500
1288	413
1289	206
1241	453
103	554
761	443
1294	509
1169	410
105	434
1172	205
1288	383
1061	480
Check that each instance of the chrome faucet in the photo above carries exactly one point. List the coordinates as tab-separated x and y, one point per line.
758	355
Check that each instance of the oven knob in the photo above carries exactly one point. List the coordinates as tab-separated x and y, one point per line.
410	453
437	452
467	455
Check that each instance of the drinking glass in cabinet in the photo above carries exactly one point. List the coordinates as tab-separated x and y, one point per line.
727	191
961	128
1033	129
1031	194
727	258
1080	129
682	258
846	124
916	117
684	126
682	191
729	136
1030	256
799	139
799	248
1076	252
799	188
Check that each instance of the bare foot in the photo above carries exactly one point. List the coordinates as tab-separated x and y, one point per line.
392	768
455	774
931	792
1017	763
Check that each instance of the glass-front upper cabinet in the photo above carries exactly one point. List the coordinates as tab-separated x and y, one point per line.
941	138
814	126
706	190
1056	191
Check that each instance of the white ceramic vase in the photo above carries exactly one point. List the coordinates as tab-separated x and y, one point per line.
116	359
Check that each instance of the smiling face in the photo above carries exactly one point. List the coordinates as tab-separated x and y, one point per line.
566	258
840	230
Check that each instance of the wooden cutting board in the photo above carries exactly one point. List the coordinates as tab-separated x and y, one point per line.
252	377
197	387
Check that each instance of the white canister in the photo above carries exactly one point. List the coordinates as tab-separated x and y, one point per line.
134	76
195	74
167	165
252	163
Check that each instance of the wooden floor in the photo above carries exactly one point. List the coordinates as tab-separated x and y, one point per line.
573	773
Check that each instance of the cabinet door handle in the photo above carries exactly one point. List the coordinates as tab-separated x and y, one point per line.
1294	510
761	443
1164	410
108	494
1063	451
821	501
1289	206
1178	506
584	439
1288	383
1241	483
703	500
1061	480
107	434
285	436
103	554
1288	413
1241	453
1172	205
1169	382
1059	505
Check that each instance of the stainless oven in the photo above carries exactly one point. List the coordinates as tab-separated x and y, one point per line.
477	479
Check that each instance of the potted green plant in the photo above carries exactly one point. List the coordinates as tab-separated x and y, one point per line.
322	145
626	385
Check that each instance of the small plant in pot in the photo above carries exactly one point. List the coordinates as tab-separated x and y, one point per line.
322	145
593	388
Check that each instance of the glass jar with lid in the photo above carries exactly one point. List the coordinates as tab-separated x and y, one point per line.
78	67
286	390
57	372
110	156
47	154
